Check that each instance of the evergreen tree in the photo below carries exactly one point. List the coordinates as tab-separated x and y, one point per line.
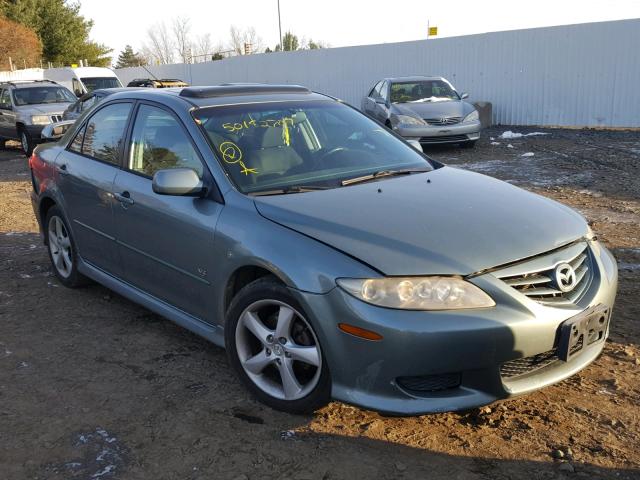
129	58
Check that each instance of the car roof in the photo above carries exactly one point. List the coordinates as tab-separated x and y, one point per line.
225	94
413	78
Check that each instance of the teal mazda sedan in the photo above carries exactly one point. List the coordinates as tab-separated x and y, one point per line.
331	258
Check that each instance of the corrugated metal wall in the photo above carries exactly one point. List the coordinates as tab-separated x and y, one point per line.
576	75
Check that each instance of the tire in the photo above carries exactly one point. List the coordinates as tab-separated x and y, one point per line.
62	250
469	144
26	142
255	352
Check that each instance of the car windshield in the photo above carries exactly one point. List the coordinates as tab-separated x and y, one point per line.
422	91
94	83
39	95
289	145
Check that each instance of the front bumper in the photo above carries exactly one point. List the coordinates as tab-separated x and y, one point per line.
457	133
469	345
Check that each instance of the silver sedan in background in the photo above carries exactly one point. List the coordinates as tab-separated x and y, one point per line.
426	109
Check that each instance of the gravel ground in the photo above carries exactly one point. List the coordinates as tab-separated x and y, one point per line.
93	386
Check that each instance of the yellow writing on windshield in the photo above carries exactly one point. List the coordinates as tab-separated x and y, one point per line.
234	127
232	154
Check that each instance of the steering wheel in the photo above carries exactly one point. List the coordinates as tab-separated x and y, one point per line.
331	153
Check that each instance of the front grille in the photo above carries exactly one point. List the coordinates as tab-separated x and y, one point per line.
429	383
537	280
56	118
443	121
444	139
522	366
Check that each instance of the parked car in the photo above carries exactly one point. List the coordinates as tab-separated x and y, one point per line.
87	101
329	256
157	83
426	109
81	80
26	106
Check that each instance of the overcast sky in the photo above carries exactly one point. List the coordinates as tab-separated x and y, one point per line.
340	22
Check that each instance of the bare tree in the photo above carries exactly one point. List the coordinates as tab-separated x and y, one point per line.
239	38
203	48
159	47
181	27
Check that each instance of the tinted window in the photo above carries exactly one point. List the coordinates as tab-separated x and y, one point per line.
159	142
94	83
5	101
104	133
40	95
76	145
277	145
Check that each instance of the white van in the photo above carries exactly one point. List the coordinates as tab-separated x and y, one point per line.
81	80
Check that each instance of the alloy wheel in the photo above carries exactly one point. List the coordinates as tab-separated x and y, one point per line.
278	350
60	246
24	141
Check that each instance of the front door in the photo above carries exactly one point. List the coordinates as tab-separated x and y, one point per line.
85	173
166	242
7	116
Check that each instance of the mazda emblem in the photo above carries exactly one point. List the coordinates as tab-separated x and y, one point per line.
565	277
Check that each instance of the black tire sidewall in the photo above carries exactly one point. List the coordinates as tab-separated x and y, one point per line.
30	143
262	289
75	279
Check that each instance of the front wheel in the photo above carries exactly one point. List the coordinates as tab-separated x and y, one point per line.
62	250
26	142
274	349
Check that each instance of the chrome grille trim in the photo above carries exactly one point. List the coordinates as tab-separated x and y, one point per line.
535	277
443	120
56	118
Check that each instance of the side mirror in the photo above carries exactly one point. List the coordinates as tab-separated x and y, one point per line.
415	144
463	96
178	181
55	131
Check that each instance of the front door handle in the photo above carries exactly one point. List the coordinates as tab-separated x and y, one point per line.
62	169
124	197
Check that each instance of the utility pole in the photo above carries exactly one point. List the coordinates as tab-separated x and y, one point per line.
280	27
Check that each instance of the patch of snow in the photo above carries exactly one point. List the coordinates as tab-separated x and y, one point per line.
25	275
629	267
528	154
105	471
510	134
495	143
491	138
509	146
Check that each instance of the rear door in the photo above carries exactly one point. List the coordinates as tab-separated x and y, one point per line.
381	112
85	173
166	242
369	102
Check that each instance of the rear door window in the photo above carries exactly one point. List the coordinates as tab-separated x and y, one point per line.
104	133
160	142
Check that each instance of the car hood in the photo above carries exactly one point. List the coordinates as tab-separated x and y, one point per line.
450	108
45	108
448	221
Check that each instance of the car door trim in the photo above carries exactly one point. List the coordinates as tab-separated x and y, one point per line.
94	230
163	262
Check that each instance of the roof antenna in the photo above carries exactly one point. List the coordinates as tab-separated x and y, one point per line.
149	72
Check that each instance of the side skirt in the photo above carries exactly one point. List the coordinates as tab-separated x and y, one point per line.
214	334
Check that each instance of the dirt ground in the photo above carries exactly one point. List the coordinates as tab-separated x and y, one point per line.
93	386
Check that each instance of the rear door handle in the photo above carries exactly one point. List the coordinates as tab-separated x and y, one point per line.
124	197
62	169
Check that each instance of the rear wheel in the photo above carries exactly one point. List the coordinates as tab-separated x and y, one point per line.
26	142
62	250
274	349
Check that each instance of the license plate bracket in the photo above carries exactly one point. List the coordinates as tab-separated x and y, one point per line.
582	330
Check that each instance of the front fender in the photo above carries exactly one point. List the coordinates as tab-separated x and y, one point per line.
245	238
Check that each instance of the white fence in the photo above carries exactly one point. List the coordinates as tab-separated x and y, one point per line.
576	75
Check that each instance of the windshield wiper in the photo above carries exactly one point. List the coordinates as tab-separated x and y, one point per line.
383	173
288	190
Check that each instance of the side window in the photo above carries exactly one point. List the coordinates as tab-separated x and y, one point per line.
77	87
159	142
76	145
104	133
5	99
88	103
384	91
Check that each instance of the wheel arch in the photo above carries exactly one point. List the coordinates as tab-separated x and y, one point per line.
46	203
243	276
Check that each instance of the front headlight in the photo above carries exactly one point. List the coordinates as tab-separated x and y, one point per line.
40	120
472	117
408	120
417	293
